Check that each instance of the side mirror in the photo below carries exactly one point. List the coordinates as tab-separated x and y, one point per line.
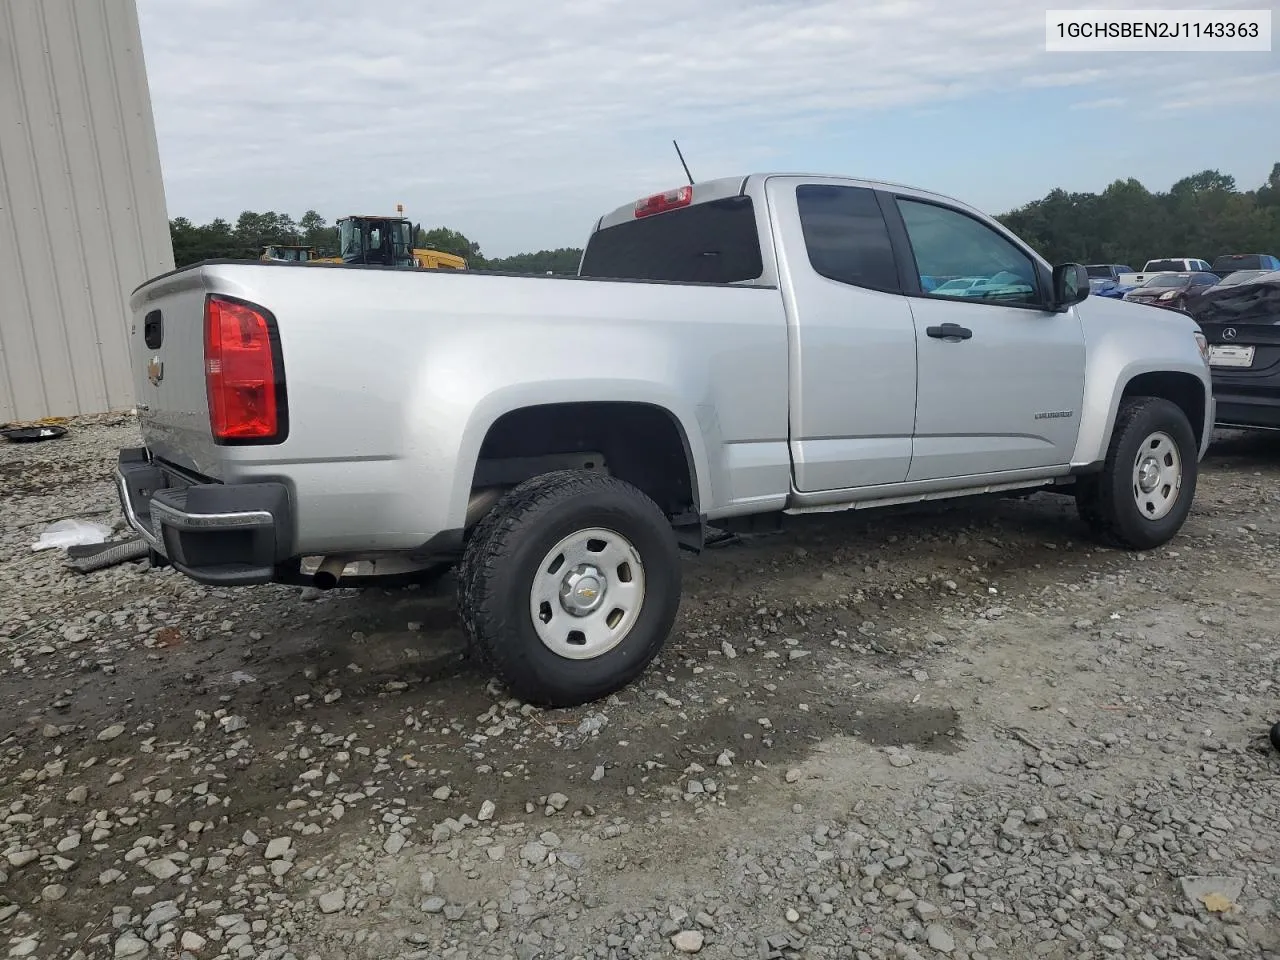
1070	285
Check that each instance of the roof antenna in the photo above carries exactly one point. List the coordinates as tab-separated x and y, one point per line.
682	163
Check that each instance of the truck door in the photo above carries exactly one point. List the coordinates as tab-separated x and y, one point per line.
852	340
1001	377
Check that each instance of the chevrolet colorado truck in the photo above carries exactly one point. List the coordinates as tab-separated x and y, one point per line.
730	351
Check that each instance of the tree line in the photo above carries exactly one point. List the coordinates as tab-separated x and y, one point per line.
1203	215
220	239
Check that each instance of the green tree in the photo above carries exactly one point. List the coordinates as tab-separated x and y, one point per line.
450	241
563	260
1202	215
1269	194
1205	214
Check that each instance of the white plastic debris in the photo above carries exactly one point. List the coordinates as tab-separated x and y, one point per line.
71	533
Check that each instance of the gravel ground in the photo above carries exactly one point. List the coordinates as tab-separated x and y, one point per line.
957	732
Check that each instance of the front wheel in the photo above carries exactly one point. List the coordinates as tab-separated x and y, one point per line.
1145	490
570	586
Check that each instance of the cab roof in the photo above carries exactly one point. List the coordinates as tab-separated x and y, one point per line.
724	187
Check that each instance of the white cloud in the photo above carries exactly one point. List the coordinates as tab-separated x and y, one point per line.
520	122
1241	90
1103	103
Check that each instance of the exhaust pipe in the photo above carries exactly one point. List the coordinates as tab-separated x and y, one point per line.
329	573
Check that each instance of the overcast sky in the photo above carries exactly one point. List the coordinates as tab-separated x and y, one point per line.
519	122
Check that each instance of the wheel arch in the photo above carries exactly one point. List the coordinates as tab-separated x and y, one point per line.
644	441
1186	387
1186	391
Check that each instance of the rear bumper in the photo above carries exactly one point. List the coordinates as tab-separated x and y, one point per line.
1247	397
232	534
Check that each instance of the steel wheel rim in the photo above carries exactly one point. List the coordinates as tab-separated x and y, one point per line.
587	593
1157	475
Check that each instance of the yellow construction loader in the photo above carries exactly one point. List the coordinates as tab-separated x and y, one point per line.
385	240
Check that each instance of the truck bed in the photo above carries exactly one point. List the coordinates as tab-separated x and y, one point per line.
380	364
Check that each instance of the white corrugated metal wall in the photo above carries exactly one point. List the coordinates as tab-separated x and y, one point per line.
82	207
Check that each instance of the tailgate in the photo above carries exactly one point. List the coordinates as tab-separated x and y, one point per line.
167	349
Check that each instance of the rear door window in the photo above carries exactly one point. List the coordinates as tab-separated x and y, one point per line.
845	236
712	242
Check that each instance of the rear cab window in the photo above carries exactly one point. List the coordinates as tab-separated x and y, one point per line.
715	241
1237	262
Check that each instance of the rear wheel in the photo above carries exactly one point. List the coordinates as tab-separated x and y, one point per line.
570	586
1143	494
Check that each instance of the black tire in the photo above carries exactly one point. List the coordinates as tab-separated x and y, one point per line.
1109	501
505	552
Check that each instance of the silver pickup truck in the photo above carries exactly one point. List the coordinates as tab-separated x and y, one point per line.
730	351
1167	265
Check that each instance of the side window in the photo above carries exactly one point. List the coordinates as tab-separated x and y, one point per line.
966	258
846	237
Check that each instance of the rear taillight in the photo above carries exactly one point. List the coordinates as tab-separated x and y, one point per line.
244	373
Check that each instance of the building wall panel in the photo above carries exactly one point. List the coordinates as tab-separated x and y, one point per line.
82	208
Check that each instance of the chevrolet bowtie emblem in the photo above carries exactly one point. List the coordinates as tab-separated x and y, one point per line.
155	371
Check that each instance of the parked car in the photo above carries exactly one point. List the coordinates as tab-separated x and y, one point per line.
1172	290
1115	292
1242	324
1230	263
731	351
1166	265
1001	285
1237	277
958	287
1104	279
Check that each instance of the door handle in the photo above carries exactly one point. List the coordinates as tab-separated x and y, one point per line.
949	331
